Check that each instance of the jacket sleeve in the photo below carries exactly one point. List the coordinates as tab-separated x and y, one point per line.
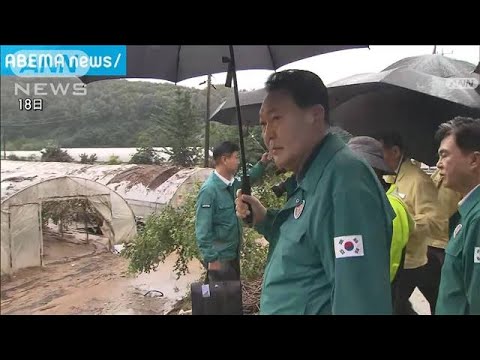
256	173
357	256
472	268
266	228
204	224
427	220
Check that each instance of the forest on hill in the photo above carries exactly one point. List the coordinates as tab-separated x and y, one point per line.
110	113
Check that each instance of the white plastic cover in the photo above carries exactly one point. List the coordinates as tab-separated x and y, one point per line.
21	233
25	236
5	240
17	175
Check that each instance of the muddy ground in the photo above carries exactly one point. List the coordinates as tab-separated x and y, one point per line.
97	282
80	278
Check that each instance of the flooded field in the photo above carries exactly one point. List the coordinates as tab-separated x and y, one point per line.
87	279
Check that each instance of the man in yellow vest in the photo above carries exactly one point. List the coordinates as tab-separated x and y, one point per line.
420	195
371	150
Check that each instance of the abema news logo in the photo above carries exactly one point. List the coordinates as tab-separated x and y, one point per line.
63	61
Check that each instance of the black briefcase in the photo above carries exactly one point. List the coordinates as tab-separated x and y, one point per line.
217	298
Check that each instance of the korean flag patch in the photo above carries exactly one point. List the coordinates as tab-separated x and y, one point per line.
476	255
348	246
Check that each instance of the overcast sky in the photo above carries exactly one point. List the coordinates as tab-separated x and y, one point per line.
337	65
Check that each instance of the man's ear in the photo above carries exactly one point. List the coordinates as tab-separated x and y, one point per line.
318	113
396	150
475	160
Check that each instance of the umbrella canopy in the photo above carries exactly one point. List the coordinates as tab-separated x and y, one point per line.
412	97
433	75
180	62
430	75
415	117
250	103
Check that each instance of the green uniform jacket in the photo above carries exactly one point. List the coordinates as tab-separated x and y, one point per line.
218	230
330	244
459	292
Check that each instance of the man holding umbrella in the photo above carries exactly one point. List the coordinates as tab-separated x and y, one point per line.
330	244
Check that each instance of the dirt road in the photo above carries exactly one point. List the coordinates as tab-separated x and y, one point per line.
96	284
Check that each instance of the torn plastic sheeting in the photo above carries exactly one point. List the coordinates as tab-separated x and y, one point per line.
117	249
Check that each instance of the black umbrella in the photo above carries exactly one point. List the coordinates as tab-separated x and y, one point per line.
412	97
433	75
250	103
180	62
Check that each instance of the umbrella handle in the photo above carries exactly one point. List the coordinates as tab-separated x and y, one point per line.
247	190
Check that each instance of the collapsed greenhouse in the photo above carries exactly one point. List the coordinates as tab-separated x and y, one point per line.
117	193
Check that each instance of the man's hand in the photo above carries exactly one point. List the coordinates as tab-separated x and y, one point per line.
259	211
215	265
265	158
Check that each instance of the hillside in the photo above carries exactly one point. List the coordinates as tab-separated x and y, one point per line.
112	113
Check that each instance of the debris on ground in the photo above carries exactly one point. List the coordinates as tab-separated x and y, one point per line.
251	291
117	249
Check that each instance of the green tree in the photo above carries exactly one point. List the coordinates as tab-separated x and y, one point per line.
56	154
85	159
173	230
182	124
146	155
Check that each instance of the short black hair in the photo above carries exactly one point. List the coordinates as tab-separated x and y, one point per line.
226	148
391	139
465	130
306	88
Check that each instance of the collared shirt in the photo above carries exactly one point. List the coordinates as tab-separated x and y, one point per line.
459	291
218	230
468	195
330	244
226	181
447	207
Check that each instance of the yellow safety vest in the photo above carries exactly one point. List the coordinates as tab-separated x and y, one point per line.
403	224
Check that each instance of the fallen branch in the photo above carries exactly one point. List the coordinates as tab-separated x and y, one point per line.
251	291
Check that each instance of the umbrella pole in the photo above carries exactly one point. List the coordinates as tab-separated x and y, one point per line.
246	188
207	123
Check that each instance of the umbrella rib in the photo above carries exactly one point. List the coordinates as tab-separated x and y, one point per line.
178	64
271	58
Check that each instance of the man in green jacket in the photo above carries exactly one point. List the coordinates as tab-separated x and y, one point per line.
459	164
330	244
218	230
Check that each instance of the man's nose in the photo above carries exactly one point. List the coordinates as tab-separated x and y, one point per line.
268	135
439	164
